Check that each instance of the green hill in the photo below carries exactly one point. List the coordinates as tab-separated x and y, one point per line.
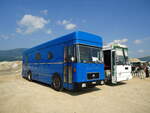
11	55
147	58
16	54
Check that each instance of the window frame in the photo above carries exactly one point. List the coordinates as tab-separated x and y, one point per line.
79	54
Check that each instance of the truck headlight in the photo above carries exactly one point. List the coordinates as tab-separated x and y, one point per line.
83	85
102	82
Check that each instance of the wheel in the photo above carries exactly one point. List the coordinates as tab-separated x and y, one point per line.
57	83
29	77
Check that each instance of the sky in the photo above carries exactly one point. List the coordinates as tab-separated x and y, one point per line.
27	23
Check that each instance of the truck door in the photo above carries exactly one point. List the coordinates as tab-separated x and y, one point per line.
113	68
68	60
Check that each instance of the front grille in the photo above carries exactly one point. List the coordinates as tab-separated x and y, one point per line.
92	76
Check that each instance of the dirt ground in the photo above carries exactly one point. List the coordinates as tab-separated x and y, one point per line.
17	95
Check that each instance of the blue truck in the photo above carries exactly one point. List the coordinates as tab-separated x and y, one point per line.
71	62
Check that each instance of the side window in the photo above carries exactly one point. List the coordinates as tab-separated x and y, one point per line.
37	56
50	55
69	54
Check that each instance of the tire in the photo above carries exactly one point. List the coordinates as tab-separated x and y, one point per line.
57	83
29	77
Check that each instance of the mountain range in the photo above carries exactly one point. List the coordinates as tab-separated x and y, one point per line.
16	54
146	58
11	55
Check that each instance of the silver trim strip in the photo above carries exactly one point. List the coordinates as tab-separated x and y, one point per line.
49	63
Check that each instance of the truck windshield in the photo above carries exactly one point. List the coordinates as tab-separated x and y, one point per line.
87	54
121	56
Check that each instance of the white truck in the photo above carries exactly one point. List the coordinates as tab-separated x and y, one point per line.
117	66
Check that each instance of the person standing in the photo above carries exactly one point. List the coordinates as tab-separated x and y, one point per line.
146	70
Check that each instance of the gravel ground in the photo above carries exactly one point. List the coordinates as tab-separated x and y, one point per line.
17	95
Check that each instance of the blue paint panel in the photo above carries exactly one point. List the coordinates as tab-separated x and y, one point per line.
83	68
89	38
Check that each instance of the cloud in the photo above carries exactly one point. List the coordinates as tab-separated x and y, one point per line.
6	37
70	26
63	22
67	24
49	31
2	36
124	40
140	51
45	11
137	41
29	24
18	30
121	41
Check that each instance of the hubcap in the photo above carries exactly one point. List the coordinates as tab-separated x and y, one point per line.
56	83
29	77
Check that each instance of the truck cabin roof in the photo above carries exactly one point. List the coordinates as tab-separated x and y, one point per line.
77	37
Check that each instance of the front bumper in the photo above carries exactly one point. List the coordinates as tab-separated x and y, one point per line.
89	84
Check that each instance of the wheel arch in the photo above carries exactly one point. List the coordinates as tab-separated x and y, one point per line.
56	74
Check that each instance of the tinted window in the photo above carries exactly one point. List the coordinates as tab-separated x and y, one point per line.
50	55
89	54
69	54
38	56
